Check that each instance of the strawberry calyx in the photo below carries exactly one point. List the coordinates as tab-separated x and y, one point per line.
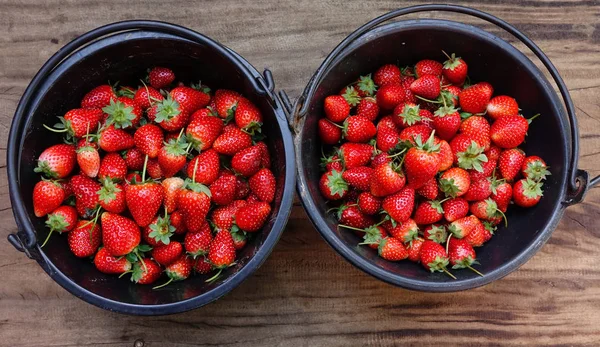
472	158
200	87
162	229
138	271
55	222
126	92
444	111
64	126
196	187
532	189
456	230
448	187
464	262
109	190
429	146
438	234
336	184
366	85
167	109
177	147
138	254
45	168
351	96
119	115
536	170
489	227
410	114
452	62
439	264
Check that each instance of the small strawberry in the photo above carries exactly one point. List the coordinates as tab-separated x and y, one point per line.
475	98
365	86
115	140
98	97
134	158
446	122
355	154
486	210
223	189
428	212
172	157
358	129
149	139
247	162
47	197
85	239
145	271
57	161
436	233
478	190
351	215
389	96
248	116
527	193
197	244
408	95
222	216
329	133
510	163
144	200
351	95
167	254
368	203
379	159
411	133
153	169
477	236
123	113
109	264
446	155
392	249
478	129
462	255
426	86
146	97
178	221
263	185
387	179
429	190
194	201
421	162
189	99
535	168
414	249
368	108
455	182
85	190
265	158
502	105
88	160
467	153
231	142
160	77
387	140
450	95
202	266
387	74
171	187
406	231
462	227
178	270
120	235
169	114
372	236
252	216
388	122
78	122
112	196
61	220
434	257
159	231
221	252
112	167
455	209
358	177
242	188
428	67
455	70
226	102
501	194
204	168
400	205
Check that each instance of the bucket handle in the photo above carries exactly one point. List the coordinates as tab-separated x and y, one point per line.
578	180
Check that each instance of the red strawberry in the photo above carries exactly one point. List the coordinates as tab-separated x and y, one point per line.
392	249
98	97
172	157
535	168
79	122
527	193
463	226
408	95
242	188
387	179
85	239
502	105
160	77
178	221
109	264
387	74
189	99
252	216
501	194
475	98
222	251
493	153
86	195
153	169
231	142
426	86
455	70
477	236
61	220
115	140
47	197
112	167
414	249
132	177
159	231
167	254
333	186
145	271
450	95
387	122
204	112
355	154
169	114
510	163
510	131
263	185
379	159
337	108
265	158
446	122
57	161
428	67
134	158
112	196
351	215
462	255
455	182
202	266
197	244
178	270
194	201
223	189
422	162
387	139
120	235
372	235
222	216
124	113
149	139
455	209
406	231
409	114
478	129
389	96
205	167
368	108
486	209
147	97
171	187
368	203
411	133
400	205
479	190
487	168
428	212
144	200
248	116
239	239
434	257
225	102
467	153
365	86
436	233
429	190
358	129
247	162
358	177
88	160
446	155
329	133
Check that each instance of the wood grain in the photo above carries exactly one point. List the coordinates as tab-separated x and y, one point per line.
305	294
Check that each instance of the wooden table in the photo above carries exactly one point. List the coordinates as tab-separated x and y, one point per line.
305	294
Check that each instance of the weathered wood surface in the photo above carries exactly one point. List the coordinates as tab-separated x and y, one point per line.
306	295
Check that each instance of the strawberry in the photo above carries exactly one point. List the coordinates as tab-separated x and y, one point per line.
411	133
202	266
146	97
428	212
205	112
112	167
178	270
231	142
368	203
387	139
414	249
487	210
455	209
389	96
421	162
358	129
178	221
79	122
379	159
123	113
134	158
487	168
144	200
426	86
197	244
239	239
167	254
478	129
265	158
355	154
248	116
450	95
153	169
510	163
408	95
252	216
502	105
535	168
112	196
501	194
159	231
372	235
387	179
47	197
428	67
145	271
467	153
462	226
172	157
171	187
477	236
149	139
351	95
493	153
455	182
98	97
358	177
223	189
333	186
387	74
120	235
409	114
455	70
329	133
434	257
446	155
226	102
478	190
263	185
62	220
160	77
86	195
88	160
351	215
115	140
247	162
368	108
189	99
337	108
242	188
365	86
222	216
527	193
194	201
406	231
85	239
392	249
57	161
400	205
429	190
204	168
109	264
388	122
446	122
169	114
475	98
462	255
436	233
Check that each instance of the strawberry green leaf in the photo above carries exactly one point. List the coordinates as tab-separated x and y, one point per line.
366	85
472	157
119	115
351	96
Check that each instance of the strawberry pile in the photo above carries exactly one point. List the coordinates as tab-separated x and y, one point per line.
423	164
163	178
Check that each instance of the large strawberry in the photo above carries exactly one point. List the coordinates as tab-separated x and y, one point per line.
358	129
399	206
392	249
411	133
85	190
263	185
221	252
223	189
467	153
189	99
203	131
463	226
252	216
358	177
434	257
387	74
428	67
197	244
144	200
107	263
205	167
387	140
167	254
389	96
535	168
172	157
510	162
231	142
145	271
501	193
178	270
47	197
502	105
421	162
428	212
445	154
429	190
351	215
455	182
455	70
478	190
337	108
85	239
134	158
355	154
510	131
247	162
527	193
194	201
387	179
478	129
88	160
120	235
368	203
475	98
112	196
169	114
426	86
455	209
149	139
446	122
247	116
368	108
226	102
329	133
414	249
222	216
115	140
113	167
78	122
98	97
406	231
462	255
57	161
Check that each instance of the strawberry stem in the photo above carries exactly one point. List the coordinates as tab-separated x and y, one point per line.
474	270
448	272
532	118
503	217
397	154
446	54
47	238
124	273
162	285
448	242
214	278
195	168
351	228
428	100
55	130
144	169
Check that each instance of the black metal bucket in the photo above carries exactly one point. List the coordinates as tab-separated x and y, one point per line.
553	136
121	51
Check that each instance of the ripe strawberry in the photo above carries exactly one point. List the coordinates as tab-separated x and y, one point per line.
487	168
86	195
436	233
400	205
115	140
450	95
365	86
368	108
387	122
333	186
120	235
380	159
222	251
535	168
225	102
502	105
446	122
160	77
478	190
47	197
248	116
467	153
223	189
368	203
462	227
387	179
197	244
109	264
434	257
189	99
88	160
178	270
455	182
146	97
426	86
145	271
239	240
478	129
409	114
329	133
387	74
387	140
263	185
231	142
123	113
252	216
57	161
501	194
428	212
462	255
149	139
358	177
265	158
169	114
406	231
144	200
408	95
194	201
202	266
153	169
79	122
428	67
172	157
205	167
222	216
85	239
171	187
247	161
112	196
242	188
455	70
477	236
337	108
527	193
411	133
159	231
392	249
475	98
98	97
446	156
486	209
414	249
358	129
372	235
355	154
510	163
421	162
455	209
112	167
167	254
351	215
62	220
178	221
134	158
389	96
